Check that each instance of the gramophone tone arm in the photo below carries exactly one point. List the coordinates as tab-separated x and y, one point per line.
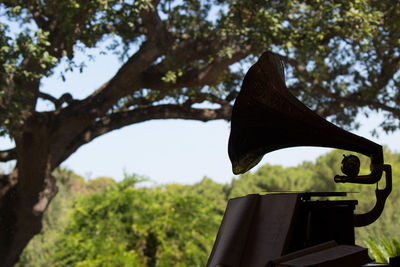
371	178
351	167
381	196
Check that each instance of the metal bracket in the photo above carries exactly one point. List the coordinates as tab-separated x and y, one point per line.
381	196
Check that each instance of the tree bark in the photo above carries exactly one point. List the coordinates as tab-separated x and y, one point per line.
26	194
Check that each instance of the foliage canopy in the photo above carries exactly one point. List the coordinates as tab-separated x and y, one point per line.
342	59
342	56
123	224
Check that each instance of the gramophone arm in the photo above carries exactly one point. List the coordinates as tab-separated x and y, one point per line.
351	167
381	196
372	178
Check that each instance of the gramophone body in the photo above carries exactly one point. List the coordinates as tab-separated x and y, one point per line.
319	221
267	117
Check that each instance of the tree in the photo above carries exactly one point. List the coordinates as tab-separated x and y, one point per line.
207	188
40	251
341	57
127	226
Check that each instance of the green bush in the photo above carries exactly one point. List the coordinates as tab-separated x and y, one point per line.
128	226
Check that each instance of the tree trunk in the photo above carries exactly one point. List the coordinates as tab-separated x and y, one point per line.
25	195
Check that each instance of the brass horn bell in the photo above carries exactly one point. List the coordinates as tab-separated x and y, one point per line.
267	117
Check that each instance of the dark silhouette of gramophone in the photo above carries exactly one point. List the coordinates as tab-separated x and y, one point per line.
280	229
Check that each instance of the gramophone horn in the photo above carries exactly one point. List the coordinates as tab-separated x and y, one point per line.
267	117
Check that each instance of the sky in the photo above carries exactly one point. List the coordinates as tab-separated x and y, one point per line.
166	151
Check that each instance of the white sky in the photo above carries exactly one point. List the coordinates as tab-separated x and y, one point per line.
166	150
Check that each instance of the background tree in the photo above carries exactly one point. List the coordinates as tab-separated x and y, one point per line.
341	57
126	226
40	251
173	218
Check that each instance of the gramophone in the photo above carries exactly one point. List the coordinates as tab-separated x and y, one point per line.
259	228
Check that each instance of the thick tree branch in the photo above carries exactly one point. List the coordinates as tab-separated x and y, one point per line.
48	97
195	77
354	100
201	97
389	66
195	97
232	95
347	100
65	98
190	49
123	118
127	79
38	16
7	155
